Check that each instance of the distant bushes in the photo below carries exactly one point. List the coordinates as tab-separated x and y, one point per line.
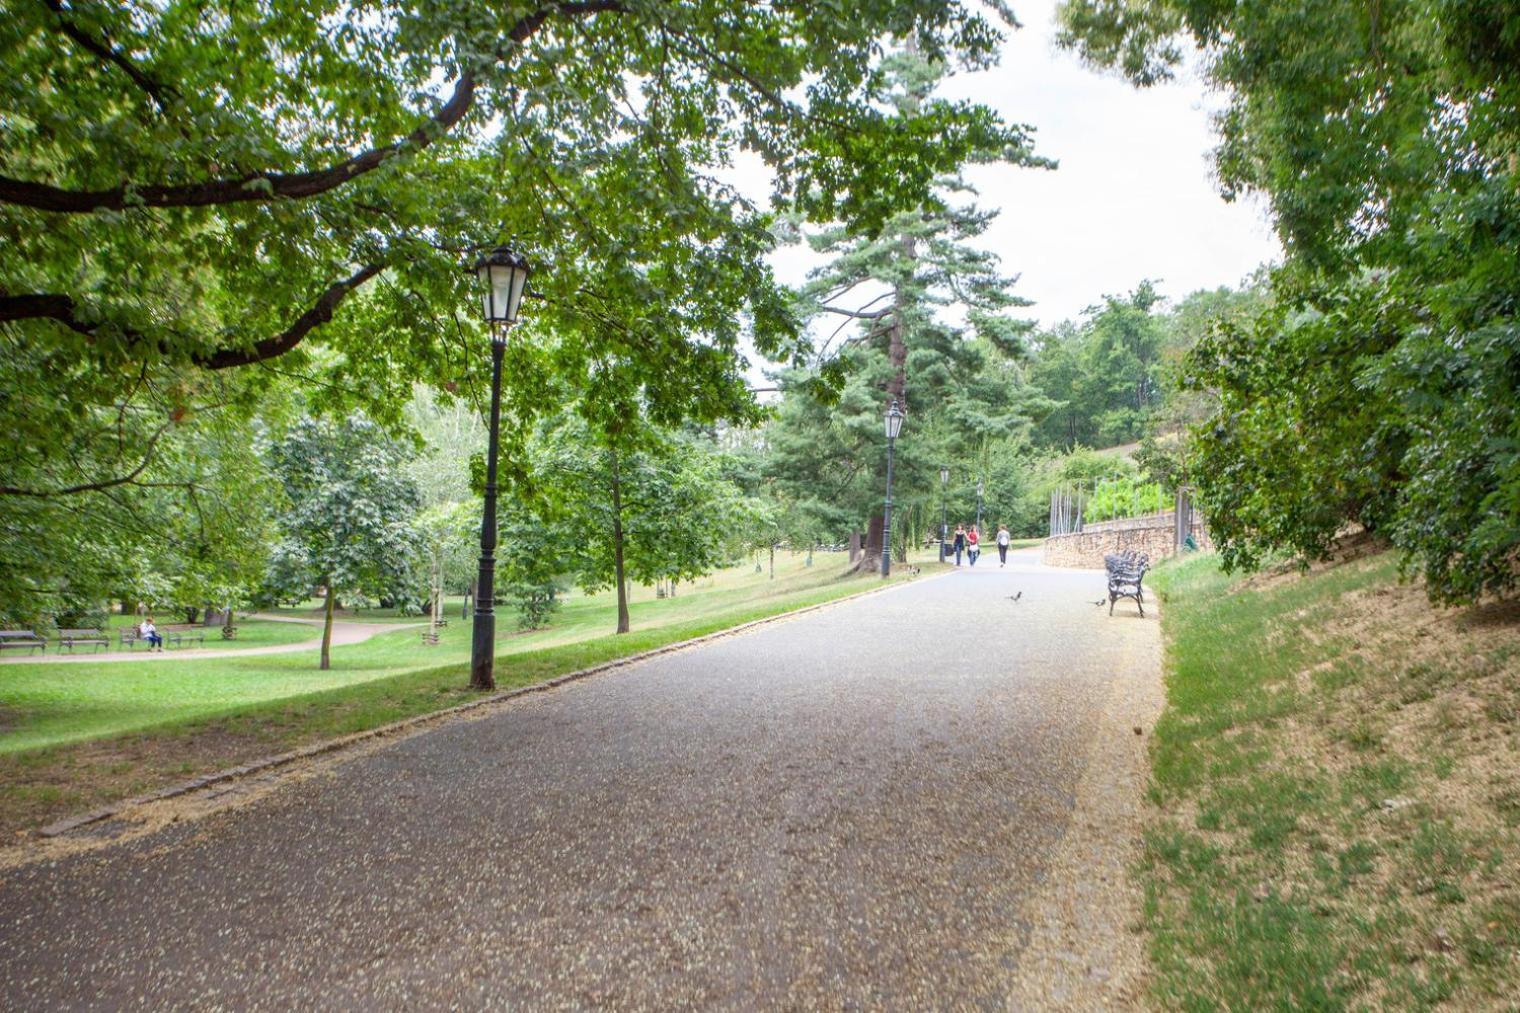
1129	496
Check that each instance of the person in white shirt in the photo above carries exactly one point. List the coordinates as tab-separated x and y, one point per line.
150	633
1002	543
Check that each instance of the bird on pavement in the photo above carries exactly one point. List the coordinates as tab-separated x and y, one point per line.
1016	597
1100	601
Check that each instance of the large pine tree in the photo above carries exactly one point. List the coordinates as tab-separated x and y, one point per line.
914	312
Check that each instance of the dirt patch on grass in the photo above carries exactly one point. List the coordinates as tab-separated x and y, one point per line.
43	786
1355	829
1354	546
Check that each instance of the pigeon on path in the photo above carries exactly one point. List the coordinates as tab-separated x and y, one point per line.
1016	597
1100	602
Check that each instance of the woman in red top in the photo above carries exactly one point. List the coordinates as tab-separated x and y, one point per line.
972	548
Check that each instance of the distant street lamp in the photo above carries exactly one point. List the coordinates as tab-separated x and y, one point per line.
894	422
504	275
978	508
944	528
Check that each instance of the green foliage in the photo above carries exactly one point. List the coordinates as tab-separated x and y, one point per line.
1261	482
528	565
348	520
1104	372
671	506
886	297
160	498
1384	138
445	536
1125	497
183	207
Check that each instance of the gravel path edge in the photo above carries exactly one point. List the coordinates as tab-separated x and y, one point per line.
1086	948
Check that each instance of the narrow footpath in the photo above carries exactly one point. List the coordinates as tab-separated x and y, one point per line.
922	798
343	633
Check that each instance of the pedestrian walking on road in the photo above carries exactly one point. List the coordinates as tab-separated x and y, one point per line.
1003	539
960	542
973	547
149	632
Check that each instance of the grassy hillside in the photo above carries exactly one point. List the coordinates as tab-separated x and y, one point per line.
1336	819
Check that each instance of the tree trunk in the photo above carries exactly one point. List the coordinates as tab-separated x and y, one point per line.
435	600
773	561
870	554
617	548
854	547
327	611
190	613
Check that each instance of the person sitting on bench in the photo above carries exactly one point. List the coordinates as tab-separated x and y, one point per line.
150	633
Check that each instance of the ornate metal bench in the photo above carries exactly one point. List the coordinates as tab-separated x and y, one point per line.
1125	572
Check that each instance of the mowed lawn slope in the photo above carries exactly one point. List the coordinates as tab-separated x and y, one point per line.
77	735
1336	818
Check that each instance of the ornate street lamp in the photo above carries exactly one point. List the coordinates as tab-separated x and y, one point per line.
894	422
503	275
944	528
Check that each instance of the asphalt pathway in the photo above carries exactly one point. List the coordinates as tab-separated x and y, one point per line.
844	810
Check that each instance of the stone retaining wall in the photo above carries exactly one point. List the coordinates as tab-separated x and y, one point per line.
1126	523
1086	549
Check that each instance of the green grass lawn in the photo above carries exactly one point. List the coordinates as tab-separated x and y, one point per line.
1336	799
50	705
250	633
76	735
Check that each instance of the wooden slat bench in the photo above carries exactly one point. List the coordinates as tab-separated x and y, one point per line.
179	636
16	639
73	638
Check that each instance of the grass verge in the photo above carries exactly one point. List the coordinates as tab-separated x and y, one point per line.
1336	807
187	734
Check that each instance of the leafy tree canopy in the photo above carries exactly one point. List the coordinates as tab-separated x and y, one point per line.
349	519
222	185
1386	139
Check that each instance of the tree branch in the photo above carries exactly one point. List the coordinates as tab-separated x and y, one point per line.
11	490
102	48
857	314
62	309
45	306
320	313
267	186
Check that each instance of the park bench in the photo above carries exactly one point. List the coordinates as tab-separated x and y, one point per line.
174	636
21	638
179	636
1125	572
73	638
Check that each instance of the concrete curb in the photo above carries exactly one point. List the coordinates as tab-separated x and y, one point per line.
71	823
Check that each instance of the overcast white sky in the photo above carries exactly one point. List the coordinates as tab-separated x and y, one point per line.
1133	197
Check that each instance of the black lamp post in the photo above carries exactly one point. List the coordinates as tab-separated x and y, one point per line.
504	275
978	508
944	528
894	422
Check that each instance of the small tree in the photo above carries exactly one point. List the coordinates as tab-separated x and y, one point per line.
530	562
445	555
348	523
646	511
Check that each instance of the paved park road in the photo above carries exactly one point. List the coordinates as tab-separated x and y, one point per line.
843	810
